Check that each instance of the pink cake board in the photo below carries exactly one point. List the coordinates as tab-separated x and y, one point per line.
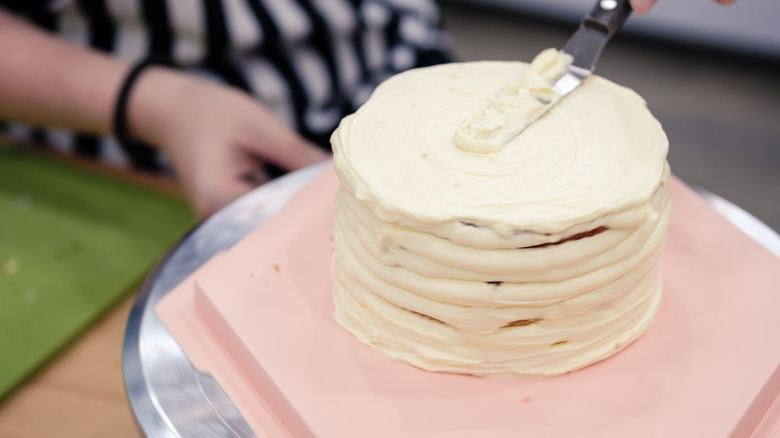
258	317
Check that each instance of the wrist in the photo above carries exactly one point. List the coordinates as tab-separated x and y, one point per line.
150	106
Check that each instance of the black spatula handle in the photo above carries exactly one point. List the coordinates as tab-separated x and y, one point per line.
608	16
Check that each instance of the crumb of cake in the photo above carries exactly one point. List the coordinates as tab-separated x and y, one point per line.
21	201
574	237
527	400
523	322
276	268
430	318
12	266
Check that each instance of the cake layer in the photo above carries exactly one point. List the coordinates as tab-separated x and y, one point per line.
437	257
540	338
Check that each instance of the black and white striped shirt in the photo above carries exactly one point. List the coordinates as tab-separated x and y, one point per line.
310	61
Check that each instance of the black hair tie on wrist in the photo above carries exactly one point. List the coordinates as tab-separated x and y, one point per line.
141	155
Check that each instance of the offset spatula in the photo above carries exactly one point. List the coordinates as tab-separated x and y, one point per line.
587	43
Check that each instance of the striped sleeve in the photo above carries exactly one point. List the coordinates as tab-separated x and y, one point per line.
310	61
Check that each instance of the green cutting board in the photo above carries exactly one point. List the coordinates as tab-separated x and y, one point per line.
72	243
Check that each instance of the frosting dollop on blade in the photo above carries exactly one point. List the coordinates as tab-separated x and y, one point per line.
516	106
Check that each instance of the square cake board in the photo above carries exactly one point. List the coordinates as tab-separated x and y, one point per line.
259	318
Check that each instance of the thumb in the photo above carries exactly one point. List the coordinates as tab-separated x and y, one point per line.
642	6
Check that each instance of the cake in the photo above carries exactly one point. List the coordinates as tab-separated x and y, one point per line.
472	238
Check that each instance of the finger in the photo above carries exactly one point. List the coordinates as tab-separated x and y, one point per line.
293	152
257	176
272	140
219	194
305	154
642	6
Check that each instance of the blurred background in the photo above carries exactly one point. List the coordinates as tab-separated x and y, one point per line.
710	74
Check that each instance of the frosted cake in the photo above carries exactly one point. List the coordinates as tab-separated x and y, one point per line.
472	238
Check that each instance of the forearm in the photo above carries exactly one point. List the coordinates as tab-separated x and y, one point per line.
50	82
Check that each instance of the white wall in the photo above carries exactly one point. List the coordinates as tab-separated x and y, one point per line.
751	26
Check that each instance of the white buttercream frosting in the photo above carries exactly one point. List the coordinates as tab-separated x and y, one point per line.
516	106
533	258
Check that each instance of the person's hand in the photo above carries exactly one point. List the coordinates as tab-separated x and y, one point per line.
216	137
644	6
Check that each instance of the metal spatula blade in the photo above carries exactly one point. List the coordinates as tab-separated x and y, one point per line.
587	43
